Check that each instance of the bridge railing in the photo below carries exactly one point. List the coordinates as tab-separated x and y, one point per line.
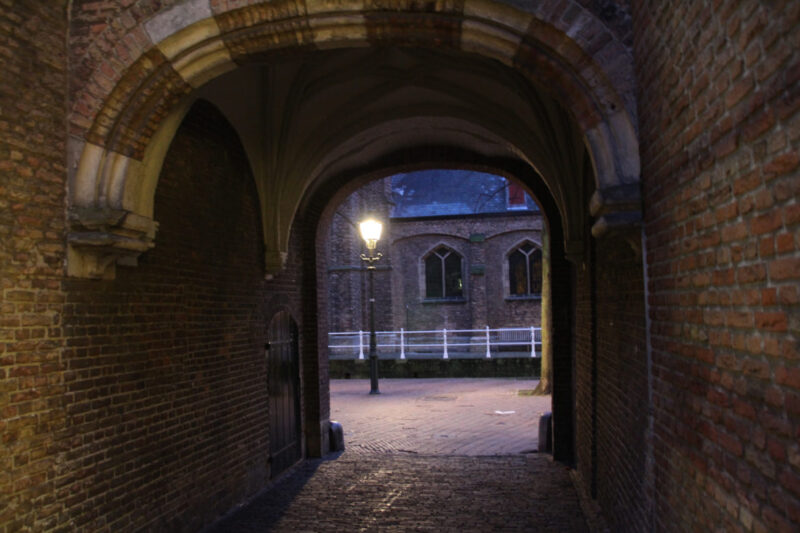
438	343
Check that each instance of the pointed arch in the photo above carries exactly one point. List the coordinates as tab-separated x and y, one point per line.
523	266
443	273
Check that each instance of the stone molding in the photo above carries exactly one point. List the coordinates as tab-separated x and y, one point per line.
101	238
618	213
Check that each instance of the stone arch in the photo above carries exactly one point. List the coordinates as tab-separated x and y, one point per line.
121	116
114	221
443	244
520	242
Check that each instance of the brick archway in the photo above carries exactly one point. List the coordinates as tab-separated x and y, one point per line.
125	106
314	220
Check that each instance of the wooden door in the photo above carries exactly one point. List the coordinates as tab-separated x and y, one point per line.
284	392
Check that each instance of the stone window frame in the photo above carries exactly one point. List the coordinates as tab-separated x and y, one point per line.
422	276
507	270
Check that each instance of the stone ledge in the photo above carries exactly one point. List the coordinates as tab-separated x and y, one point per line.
101	238
614	199
621	222
618	212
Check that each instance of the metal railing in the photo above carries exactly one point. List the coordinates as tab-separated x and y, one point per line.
439	343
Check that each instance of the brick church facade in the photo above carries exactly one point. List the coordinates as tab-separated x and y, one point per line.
466	215
169	171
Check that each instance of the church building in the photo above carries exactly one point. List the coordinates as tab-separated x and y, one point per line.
460	250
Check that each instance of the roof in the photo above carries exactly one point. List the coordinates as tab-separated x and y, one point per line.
451	193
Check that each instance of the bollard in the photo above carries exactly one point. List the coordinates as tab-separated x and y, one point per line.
336	436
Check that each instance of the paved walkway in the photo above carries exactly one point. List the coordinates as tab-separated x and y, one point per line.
428	456
439	416
398	493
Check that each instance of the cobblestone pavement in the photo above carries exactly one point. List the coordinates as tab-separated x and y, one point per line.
425	455
394	493
439	416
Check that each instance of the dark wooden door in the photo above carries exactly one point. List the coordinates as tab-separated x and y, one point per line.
284	392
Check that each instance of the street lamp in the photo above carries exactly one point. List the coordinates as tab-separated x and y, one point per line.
371	233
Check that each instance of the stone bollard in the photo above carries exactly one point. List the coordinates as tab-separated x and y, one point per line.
337	437
546	433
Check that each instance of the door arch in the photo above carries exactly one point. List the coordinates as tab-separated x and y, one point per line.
283	376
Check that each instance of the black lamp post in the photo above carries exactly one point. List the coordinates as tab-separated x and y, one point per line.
371	232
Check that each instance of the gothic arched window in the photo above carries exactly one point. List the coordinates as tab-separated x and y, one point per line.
443	277
525	271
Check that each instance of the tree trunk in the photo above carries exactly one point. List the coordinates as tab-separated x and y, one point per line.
545	386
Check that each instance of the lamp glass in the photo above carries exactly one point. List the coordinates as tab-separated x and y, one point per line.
370	232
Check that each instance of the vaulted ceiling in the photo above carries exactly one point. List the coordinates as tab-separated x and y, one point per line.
307	119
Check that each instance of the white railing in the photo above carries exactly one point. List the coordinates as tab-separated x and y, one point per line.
438	343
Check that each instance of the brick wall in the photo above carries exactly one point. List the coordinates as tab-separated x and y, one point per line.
621	396
611	381
503	311
486	290
165	376
32	145
585	338
719	94
104	36
346	281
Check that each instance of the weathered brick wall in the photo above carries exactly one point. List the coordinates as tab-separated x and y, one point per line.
32	144
165	375
611	385
585	335
420	313
621	396
503	311
719	94
346	282
398	286
486	293
105	35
